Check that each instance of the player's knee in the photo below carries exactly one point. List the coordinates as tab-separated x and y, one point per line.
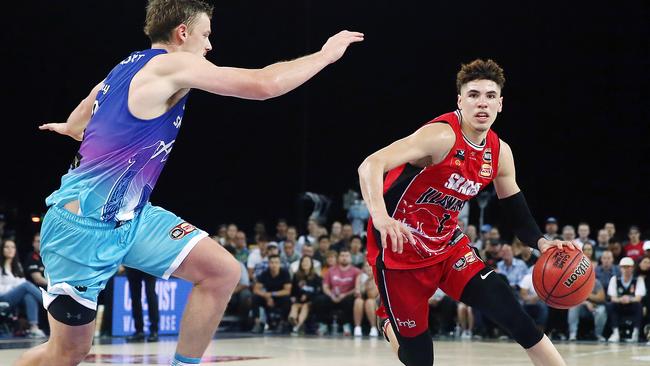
416	351
68	353
493	297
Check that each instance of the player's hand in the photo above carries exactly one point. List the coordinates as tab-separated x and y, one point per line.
63	129
336	45
544	244
397	232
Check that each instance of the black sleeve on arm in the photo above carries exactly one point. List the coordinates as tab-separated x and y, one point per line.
523	224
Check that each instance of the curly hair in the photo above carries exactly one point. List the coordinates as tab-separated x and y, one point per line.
165	15
480	70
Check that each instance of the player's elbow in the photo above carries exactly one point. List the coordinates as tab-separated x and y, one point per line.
266	88
366	166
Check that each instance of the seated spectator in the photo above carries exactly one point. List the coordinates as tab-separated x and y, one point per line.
358	257
524	252
491	254
588	251
292	235
336	232
644	272
289	254
14	289
323	248
220	236
465	317
338	292
272	292
494	235
308	251
365	301
306	285
592	308
311	236
602	243
35	270
257	256
550	229
271	249
583	234
231	233
472	235
626	293
634	247
607	269
611	229
241	247
514	269
331	261
616	248
442	312
281	231
241	300
536	308
568	233
346	235
481	242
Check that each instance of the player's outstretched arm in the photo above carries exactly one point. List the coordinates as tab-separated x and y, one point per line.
516	208
259	84
431	142
78	119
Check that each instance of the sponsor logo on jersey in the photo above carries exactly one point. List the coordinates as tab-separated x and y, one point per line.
460	264
132	58
487	155
580	271
462	185
470	257
460	154
486	170
179	231
406	323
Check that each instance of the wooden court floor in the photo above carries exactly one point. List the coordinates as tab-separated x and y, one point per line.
339	351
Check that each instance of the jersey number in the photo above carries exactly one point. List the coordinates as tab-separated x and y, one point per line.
441	222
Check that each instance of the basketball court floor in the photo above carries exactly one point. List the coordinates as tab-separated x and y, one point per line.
247	350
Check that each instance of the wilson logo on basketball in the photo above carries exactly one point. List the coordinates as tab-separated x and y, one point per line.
580	271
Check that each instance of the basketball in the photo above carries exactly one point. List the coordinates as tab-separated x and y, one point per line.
563	278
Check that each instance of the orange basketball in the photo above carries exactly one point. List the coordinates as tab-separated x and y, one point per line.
563	278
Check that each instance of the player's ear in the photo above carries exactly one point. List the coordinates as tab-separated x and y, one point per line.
458	102
500	104
182	32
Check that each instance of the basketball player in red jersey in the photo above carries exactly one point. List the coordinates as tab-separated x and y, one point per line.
414	243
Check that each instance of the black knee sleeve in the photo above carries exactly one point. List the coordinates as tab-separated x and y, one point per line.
69	312
416	351
492	295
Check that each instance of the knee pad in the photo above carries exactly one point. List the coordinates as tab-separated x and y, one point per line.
416	351
493	296
69	312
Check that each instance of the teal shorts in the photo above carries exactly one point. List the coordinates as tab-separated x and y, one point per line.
81	254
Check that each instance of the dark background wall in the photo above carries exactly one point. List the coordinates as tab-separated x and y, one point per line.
575	102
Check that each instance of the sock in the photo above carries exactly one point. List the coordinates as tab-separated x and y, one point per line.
180	360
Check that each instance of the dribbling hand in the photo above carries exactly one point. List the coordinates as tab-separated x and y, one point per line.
336	45
395	230
545	244
63	129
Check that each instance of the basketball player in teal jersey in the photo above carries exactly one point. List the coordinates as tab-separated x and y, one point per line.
101	217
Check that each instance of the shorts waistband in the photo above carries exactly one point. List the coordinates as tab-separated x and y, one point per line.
85	222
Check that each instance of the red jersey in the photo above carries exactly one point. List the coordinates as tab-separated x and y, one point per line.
634	251
428	200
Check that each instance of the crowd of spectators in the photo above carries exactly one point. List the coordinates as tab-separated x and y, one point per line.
319	282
